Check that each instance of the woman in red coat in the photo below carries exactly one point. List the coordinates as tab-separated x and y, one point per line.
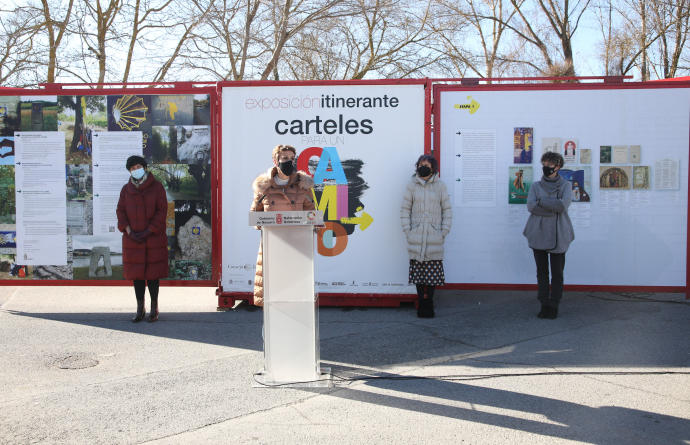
141	213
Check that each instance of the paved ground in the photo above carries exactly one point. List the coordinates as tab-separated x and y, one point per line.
612	369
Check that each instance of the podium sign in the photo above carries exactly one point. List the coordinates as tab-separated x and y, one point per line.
291	323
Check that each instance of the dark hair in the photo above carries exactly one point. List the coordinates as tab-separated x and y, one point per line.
431	160
552	158
134	160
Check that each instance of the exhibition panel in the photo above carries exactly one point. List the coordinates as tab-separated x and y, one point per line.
626	156
359	141
62	167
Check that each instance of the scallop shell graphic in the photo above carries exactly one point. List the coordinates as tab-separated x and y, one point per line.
129	112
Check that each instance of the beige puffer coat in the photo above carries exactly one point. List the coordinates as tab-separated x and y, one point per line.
426	216
270	197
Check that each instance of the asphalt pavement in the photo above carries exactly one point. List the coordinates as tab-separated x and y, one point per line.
613	368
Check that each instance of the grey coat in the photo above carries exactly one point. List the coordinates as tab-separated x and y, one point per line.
426	216
549	227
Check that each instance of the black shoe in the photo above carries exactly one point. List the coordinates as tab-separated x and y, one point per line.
552	314
426	308
544	310
141	312
153	315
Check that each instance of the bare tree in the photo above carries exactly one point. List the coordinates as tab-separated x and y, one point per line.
460	22
671	21
18	54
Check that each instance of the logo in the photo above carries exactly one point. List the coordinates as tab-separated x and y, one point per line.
472	107
279	218
311	216
196	230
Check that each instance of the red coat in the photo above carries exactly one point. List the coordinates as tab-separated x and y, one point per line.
141	208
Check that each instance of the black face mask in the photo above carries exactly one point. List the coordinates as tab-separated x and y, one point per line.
287	167
423	171
548	171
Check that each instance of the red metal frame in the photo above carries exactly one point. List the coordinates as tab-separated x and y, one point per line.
227	300
615	82
141	88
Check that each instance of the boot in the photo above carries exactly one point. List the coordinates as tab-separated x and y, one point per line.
153	315
544	310
552	313
141	311
426	308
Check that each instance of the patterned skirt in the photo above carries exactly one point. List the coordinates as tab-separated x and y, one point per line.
429	273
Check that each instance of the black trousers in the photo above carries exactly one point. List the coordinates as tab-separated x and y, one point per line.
140	289
549	295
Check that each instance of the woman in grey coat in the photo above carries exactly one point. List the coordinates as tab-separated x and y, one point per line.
426	216
549	231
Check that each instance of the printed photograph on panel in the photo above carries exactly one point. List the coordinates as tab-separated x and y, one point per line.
78	118
80	217
585	156
202	109
641	177
184	182
620	154
635	154
570	150
130	113
9	115
605	154
580	181
174	109
185	144
551	144
38	113
79	182
10	270
7	195
615	178
191	247
6	150
97	257
8	242
519	182
522	145
62	272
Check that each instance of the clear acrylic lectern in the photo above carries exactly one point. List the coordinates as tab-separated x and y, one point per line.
291	323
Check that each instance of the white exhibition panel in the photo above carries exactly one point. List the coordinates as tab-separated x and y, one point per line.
622	237
385	142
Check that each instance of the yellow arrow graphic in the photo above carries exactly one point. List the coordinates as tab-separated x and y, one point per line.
364	220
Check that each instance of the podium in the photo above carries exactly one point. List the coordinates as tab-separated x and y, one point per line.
291	323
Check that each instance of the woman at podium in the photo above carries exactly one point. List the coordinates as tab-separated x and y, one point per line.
281	188
426	216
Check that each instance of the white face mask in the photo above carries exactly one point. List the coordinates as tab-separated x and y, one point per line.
138	173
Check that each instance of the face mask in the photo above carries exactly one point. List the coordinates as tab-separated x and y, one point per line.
138	173
287	167
423	171
548	171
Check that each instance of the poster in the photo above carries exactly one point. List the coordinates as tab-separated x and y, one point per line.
605	154
615	178
570	148
551	144
585	156
635	154
641	177
360	142
40	198
522	145
580	182
620	154
519	182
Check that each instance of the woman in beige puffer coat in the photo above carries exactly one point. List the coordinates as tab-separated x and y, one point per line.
426	216
281	188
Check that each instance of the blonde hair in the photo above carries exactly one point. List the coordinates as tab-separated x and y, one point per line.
281	148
